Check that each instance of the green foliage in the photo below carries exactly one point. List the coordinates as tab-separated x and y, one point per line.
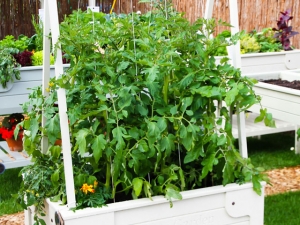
263	41
8	66
9	41
37	58
39	182
141	93
36	41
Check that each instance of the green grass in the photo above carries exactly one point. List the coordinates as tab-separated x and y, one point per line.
282	209
273	151
9	184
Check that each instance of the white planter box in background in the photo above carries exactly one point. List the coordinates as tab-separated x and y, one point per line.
282	102
218	205
31	76
269	61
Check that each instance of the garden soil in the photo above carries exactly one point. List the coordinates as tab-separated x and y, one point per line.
281	180
284	83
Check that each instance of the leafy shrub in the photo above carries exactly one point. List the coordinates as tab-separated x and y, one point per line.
284	32
37	58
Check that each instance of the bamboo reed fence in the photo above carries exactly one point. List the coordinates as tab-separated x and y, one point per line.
15	15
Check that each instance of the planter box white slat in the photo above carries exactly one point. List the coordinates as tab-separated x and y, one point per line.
269	61
14	159
218	205
31	76
282	102
257	129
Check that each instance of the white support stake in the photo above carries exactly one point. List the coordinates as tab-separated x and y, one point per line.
62	105
237	62
46	68
209	9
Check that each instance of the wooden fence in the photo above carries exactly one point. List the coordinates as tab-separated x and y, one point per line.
15	15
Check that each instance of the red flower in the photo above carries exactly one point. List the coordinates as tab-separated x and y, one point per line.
9	124
5	133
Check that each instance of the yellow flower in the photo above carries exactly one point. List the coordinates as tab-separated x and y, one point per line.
95	184
51	84
87	188
48	89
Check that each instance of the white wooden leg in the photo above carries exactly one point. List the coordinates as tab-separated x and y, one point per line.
297	142
242	135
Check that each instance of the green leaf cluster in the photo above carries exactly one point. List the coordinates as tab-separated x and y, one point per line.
263	41
142	95
8	66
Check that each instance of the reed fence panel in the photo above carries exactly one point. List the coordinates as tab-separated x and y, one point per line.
15	15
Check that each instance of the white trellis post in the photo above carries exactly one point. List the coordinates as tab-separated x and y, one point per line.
41	4
53	26
92	3
236	62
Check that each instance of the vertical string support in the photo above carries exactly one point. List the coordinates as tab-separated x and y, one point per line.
62	105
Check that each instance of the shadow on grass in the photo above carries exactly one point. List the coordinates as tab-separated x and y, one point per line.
273	151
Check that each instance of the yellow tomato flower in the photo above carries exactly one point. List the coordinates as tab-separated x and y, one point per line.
95	184
87	188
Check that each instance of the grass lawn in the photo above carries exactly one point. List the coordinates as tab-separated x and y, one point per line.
271	151
9	184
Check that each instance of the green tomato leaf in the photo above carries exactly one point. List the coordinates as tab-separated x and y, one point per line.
137	186
81	140
228	175
98	145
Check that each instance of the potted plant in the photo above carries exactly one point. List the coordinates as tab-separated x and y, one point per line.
12	133
141	93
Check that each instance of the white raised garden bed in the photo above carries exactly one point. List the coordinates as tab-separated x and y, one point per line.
218	205
282	102
269	61
11	99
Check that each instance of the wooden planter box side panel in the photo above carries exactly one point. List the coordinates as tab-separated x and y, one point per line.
283	103
268	62
232	204
30	77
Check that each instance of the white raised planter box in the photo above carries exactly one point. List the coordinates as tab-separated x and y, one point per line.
31	76
232	204
269	61
282	102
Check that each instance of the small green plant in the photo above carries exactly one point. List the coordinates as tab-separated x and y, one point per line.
9	41
8	66
37	58
284	32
